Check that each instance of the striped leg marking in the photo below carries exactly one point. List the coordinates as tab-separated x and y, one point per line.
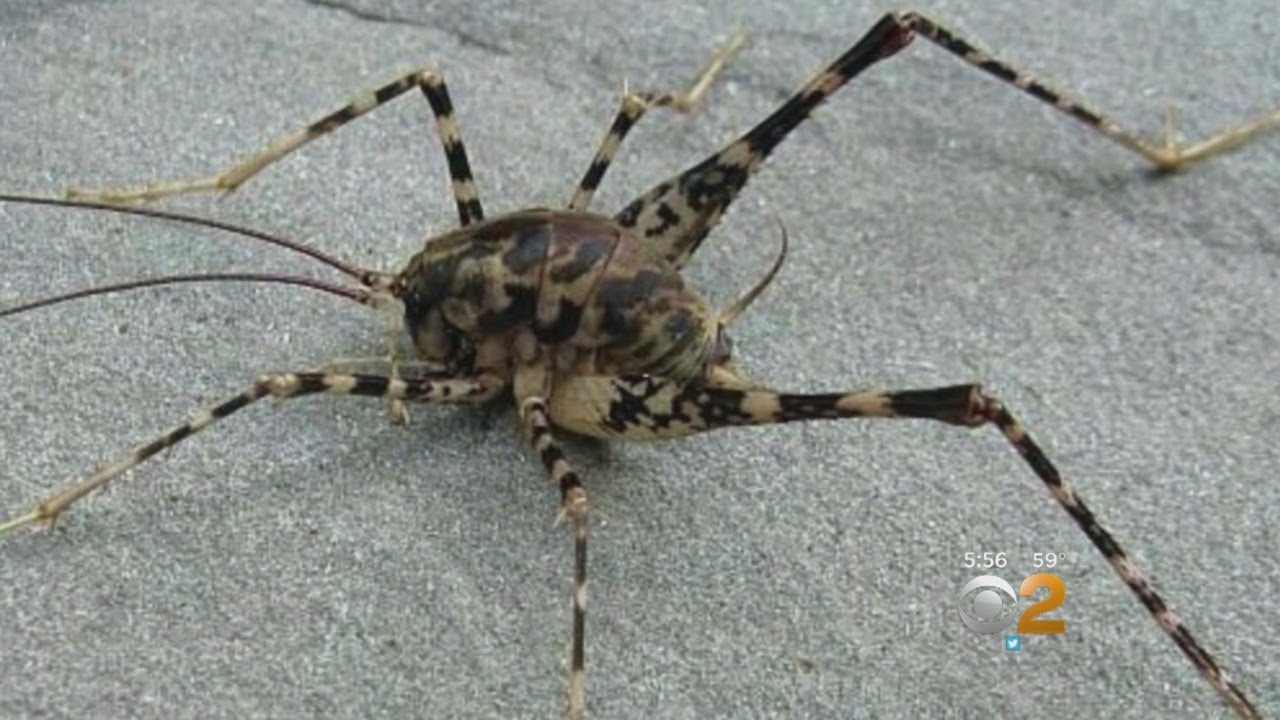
992	411
282	387
573	505
433	87
1168	157
647	408
633	108
465	192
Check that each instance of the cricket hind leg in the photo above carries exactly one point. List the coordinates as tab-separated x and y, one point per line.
675	215
634	106
281	386
431	84
649	408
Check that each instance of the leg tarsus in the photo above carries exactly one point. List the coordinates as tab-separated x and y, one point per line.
685	100
232	177
39	514
154	191
1175	158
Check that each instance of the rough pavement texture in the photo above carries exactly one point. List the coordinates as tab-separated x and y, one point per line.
311	560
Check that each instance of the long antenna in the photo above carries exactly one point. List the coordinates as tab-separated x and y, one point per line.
368	278
361	296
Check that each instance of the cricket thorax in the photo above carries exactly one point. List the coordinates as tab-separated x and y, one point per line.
581	284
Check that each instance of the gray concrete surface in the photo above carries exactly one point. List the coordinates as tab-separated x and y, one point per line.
310	560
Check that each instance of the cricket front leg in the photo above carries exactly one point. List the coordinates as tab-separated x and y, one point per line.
649	408
282	386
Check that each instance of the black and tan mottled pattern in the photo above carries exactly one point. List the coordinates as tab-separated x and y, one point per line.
632	108
471	283
569	279
992	411
677	214
643	407
465	193
582	253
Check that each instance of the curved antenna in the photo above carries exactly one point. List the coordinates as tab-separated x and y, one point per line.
732	312
361	296
368	278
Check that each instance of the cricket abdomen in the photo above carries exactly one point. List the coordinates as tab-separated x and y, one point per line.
570	279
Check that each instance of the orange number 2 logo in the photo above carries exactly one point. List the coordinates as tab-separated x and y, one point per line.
1028	624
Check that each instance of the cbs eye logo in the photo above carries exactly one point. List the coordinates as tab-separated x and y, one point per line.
985	612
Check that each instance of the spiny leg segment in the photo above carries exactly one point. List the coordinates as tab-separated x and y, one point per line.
282	387
432	85
648	408
634	106
676	214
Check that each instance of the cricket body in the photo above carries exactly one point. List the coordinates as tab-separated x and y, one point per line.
579	287
586	323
